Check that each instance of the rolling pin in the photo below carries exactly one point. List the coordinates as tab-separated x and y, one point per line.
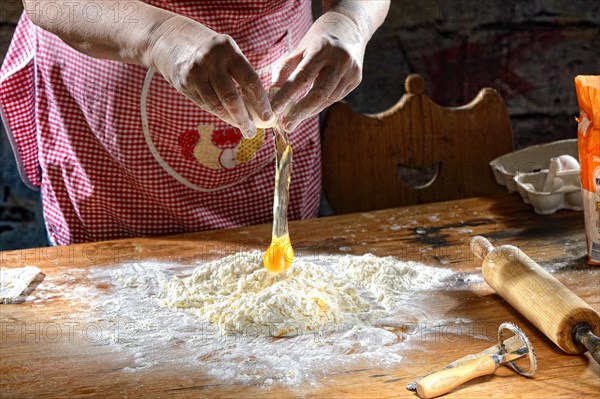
555	310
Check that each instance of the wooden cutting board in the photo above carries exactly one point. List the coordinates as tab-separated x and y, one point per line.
36	360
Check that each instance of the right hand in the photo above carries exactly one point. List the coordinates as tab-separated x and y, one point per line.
205	66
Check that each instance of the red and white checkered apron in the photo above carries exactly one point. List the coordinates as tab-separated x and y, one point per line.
76	129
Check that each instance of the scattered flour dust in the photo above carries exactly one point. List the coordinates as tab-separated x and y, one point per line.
225	318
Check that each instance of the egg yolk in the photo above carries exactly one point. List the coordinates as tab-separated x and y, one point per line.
280	255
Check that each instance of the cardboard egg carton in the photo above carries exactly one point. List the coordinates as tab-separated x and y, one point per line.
541	176
565	191
529	160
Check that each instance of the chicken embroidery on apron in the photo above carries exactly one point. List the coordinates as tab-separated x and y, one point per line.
219	148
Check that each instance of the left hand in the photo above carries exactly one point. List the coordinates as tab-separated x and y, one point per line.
327	62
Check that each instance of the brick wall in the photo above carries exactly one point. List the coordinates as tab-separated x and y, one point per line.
528	50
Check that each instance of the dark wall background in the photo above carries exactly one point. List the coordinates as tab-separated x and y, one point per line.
528	50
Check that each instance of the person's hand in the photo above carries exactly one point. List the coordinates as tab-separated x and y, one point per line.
327	62
205	66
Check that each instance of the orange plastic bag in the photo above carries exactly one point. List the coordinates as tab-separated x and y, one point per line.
588	139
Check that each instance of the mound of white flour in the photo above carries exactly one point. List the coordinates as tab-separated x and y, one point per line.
348	311
239	295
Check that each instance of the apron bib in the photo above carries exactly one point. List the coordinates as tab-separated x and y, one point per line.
120	153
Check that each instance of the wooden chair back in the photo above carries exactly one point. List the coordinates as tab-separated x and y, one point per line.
415	152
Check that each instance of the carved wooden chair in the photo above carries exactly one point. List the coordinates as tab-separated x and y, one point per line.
415	152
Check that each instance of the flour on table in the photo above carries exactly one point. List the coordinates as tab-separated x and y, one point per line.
238	294
13	282
337	313
388	277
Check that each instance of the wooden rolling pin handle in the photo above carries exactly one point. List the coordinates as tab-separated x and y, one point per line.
480	246
443	381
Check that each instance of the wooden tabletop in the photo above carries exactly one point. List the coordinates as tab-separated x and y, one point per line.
35	361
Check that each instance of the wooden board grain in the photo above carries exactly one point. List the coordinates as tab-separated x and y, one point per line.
415	152
36	361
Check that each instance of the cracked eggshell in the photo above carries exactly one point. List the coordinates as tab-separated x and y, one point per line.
271	122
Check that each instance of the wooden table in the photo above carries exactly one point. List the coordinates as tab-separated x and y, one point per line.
437	234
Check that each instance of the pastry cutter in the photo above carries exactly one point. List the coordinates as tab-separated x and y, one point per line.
505	352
